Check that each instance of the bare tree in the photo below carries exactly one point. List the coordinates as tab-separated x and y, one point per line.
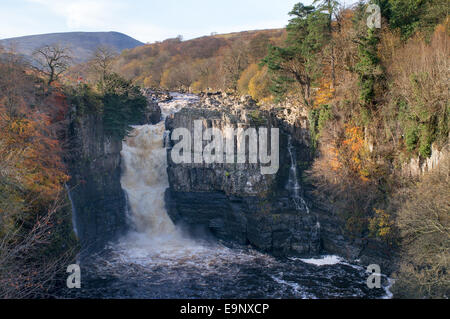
24	271
234	63
102	62
424	223
13	84
53	60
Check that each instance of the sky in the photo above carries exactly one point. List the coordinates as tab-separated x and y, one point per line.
145	20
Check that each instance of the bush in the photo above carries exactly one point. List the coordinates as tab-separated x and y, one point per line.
86	100
318	118
424	222
124	105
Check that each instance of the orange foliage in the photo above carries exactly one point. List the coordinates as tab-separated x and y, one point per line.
324	94
353	148
334	162
30	139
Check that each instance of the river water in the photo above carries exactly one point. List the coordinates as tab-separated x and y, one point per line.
157	260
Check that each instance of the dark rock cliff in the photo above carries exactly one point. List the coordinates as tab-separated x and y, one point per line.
236	202
334	238
98	199
94	163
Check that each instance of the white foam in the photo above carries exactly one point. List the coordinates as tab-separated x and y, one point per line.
295	287
324	261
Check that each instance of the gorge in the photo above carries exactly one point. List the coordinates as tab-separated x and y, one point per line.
203	230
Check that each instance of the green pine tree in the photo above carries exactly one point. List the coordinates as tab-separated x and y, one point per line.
300	60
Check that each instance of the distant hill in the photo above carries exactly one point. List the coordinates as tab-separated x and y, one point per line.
82	44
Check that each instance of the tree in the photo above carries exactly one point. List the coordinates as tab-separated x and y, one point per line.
178	75
35	233
259	46
101	63
13	82
332	8
124	105
368	67
300	60
245	78
53	61
235	61
424	223
204	74
408	16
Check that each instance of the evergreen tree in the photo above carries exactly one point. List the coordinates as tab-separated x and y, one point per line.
123	105
410	15
368	67
331	8
300	61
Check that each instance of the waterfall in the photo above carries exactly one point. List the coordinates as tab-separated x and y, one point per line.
74	212
293	184
145	181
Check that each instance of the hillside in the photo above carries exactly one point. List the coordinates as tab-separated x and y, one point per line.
216	62
82	44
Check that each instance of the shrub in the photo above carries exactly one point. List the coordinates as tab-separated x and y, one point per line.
424	222
124	105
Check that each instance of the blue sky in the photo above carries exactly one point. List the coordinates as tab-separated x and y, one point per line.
145	20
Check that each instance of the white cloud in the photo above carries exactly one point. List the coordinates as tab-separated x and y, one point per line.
104	15
84	13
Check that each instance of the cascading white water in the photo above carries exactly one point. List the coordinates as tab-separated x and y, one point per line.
293	183
144	176
74	212
144	179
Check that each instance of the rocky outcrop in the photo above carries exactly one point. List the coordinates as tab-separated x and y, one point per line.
153	113
97	196
94	162
236	202
417	166
156	95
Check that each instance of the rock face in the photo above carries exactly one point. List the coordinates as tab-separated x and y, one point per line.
153	113
239	204
94	162
417	166
236	202
98	199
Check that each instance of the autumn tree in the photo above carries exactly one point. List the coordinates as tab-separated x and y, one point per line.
259	46
179	75
410	15
235	61
32	175
52	60
102	62
205	74
13	82
424	222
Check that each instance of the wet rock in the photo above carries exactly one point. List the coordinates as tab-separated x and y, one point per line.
236	202
94	165
153	113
